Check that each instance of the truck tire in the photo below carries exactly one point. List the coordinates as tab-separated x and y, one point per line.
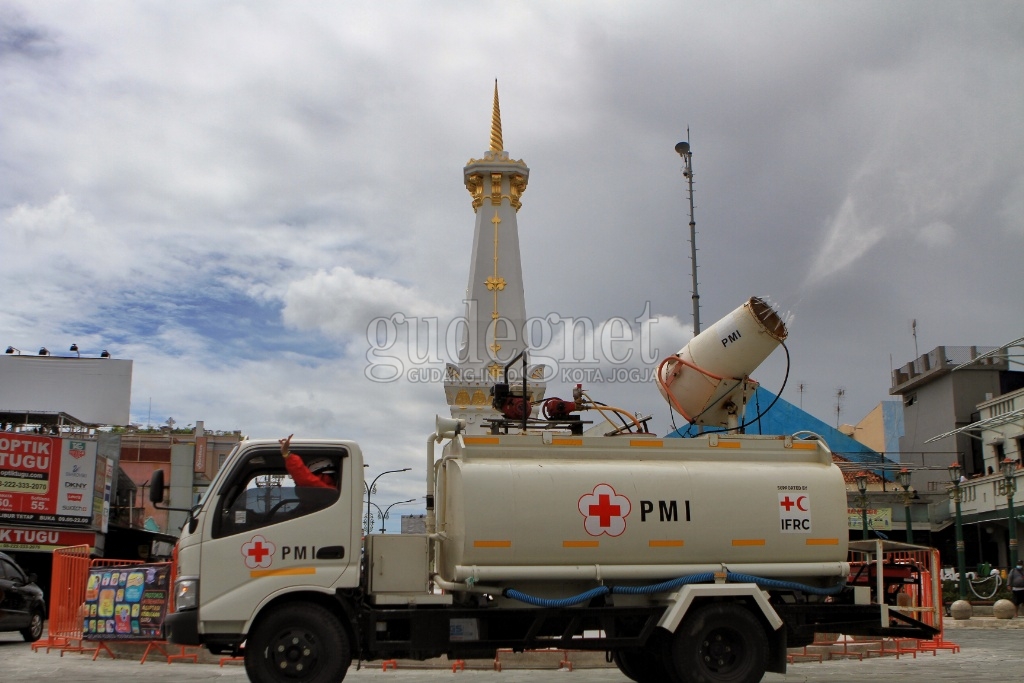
720	643
642	666
297	643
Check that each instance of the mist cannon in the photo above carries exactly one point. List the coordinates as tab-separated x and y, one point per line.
708	380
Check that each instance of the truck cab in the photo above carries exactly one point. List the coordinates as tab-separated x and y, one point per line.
257	535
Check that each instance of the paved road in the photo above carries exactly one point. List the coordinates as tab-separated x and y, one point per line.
987	655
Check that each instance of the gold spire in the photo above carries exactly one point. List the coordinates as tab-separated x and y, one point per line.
496	143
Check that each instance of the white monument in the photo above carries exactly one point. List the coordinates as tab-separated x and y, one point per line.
494	332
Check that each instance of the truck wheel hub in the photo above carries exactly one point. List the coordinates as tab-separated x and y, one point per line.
294	653
718	650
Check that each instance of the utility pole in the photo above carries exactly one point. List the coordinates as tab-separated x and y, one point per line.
840	392
683	149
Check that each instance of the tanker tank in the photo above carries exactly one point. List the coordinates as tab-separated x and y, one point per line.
540	506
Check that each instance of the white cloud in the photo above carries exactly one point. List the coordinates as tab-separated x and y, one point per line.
849	237
341	303
937	234
1012	211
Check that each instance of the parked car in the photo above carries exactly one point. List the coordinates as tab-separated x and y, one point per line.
22	607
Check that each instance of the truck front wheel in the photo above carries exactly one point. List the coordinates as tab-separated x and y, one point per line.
720	643
297	643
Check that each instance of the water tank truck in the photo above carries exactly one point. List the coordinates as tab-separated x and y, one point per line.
696	560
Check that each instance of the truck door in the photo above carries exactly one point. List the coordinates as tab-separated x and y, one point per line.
268	534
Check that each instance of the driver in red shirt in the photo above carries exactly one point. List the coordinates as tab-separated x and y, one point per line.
302	474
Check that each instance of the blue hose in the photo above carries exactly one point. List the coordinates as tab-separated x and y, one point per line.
784	585
563	602
666	586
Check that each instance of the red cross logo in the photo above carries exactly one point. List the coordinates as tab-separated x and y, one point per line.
604	511
259	552
787	503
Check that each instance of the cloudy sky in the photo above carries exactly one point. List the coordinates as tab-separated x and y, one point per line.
229	193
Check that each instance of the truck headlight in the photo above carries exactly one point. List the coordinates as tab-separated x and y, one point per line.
186	594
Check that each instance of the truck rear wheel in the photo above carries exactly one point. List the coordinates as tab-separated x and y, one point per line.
297	643
642	666
720	643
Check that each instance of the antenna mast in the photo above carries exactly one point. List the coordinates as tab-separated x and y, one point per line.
683	149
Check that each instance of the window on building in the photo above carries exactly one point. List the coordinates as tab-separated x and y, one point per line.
999	452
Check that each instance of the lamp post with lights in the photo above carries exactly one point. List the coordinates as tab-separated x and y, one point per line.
862	502
904	479
1009	467
387	511
954	493
371	488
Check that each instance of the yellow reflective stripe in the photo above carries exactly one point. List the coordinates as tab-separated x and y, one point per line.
648	443
481	440
567	442
666	544
822	541
726	444
292	571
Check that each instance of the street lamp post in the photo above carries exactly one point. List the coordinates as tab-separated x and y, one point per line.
954	493
387	511
1010	472
862	502
904	479
371	488
368	522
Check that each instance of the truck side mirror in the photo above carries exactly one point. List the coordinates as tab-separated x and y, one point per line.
156	487
156	493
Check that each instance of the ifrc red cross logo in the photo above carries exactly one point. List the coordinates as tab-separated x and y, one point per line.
604	511
800	503
259	552
794	513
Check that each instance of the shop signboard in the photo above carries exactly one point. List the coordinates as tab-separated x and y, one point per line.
45	540
878	518
46	479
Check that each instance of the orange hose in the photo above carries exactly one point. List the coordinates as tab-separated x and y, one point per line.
665	385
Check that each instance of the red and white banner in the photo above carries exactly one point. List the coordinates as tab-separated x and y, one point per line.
46	479
12	538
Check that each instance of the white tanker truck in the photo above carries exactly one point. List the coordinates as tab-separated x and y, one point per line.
696	560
